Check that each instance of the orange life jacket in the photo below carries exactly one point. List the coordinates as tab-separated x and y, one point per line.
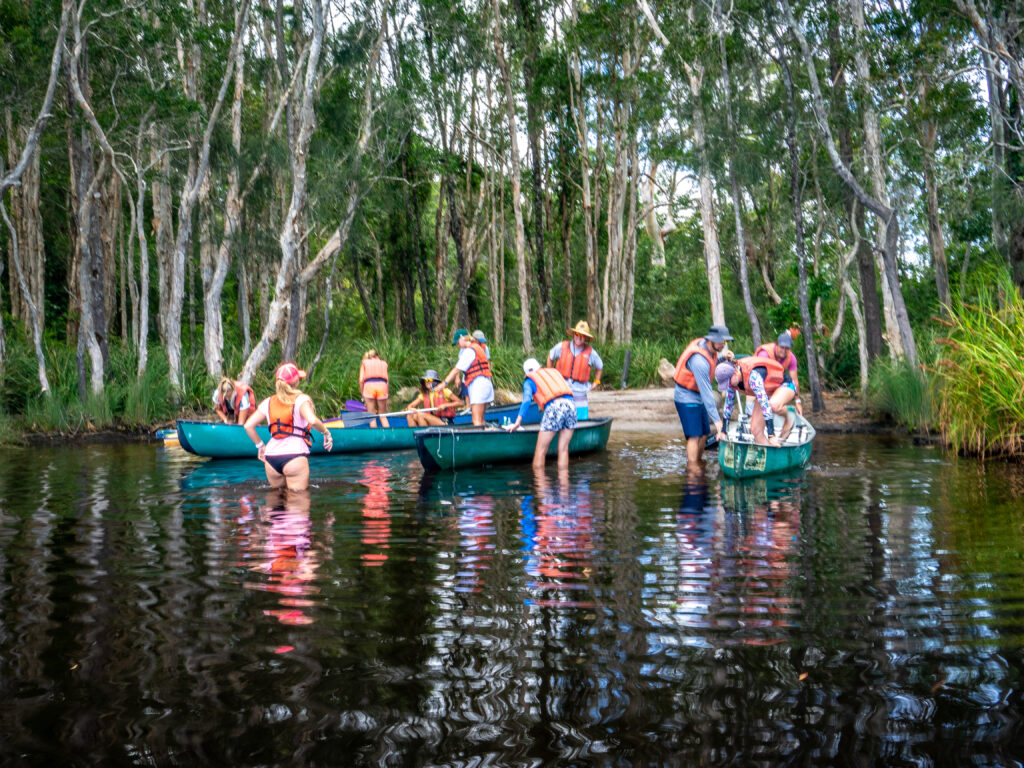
434	398
683	377
232	406
374	368
550	384
770	349
480	366
774	373
282	421
575	367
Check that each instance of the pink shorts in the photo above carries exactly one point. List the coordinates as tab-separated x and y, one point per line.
376	389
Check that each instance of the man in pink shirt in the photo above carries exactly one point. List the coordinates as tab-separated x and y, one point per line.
782	351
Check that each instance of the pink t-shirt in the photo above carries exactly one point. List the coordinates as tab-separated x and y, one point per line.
286	446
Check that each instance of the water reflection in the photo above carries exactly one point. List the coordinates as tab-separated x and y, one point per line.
376	476
275	542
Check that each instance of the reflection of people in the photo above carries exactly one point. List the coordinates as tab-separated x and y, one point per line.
283	551
574	360
234	400
373	385
782	351
694	398
473	365
376	511
767	381
290	414
554	397
433	394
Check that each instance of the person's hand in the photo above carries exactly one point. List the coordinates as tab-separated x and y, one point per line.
774	441
511	427
596	385
328	441
799	407
722	437
261	451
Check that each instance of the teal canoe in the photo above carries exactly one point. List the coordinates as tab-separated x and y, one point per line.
740	457
442	448
229	441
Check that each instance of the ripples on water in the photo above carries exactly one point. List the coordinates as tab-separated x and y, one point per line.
158	610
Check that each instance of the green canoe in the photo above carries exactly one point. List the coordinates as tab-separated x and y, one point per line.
739	457
229	441
453	448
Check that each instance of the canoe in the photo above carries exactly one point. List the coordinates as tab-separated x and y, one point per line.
229	441
496	415
740	457
442	448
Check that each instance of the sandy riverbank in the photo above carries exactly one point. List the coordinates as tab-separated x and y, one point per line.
652	410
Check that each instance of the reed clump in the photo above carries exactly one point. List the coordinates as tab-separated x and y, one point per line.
981	407
904	393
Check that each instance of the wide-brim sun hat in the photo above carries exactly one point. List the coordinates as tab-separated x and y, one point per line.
718	334
582	328
723	372
289	373
430	375
458	335
530	365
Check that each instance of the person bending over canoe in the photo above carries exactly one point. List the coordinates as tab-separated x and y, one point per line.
291	415
433	394
476	371
373	385
767	381
694	398
574	360
782	352
235	401
554	397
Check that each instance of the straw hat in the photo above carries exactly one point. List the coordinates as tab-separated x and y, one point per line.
582	328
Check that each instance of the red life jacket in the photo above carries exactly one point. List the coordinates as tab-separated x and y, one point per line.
282	421
231	407
550	384
774	373
769	349
575	367
375	368
683	377
480	366
434	398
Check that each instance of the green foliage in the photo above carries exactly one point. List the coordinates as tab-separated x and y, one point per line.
979	373
903	393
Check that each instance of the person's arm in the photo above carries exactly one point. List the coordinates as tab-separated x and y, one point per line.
223	416
730	402
796	383
553	354
598	365
255	418
309	414
419	399
758	390
362	376
450	398
529	389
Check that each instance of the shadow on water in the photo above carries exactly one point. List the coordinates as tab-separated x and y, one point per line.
159	610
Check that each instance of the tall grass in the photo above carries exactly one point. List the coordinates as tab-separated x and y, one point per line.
981	407
902	392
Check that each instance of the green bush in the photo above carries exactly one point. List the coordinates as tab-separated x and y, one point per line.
903	393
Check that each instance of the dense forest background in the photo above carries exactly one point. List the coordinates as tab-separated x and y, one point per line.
192	188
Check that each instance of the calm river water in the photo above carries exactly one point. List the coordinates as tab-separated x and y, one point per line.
156	609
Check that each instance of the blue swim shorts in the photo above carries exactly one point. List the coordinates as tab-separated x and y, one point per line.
694	419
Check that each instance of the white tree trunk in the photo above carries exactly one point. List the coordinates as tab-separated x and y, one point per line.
517	182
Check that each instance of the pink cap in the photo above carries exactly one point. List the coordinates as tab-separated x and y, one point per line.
289	373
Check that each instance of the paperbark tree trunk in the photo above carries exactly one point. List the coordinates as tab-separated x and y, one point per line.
27	276
817	400
186	204
875	206
737	202
936	240
517	183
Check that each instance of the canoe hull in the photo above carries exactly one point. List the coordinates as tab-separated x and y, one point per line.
443	448
496	415
739	457
229	441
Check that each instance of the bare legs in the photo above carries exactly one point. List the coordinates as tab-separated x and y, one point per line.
378	405
540	453
478	410
295	476
779	400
